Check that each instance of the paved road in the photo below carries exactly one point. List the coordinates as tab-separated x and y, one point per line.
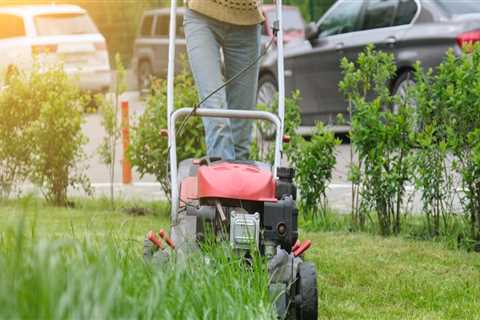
339	194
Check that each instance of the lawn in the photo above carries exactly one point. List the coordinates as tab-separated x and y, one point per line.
86	262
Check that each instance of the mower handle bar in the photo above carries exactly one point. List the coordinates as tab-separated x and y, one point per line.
216	113
279	122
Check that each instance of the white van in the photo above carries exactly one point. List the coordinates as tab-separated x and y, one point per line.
56	34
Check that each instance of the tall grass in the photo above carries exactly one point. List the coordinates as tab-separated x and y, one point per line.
92	277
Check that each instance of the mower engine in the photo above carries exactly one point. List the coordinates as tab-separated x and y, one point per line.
241	202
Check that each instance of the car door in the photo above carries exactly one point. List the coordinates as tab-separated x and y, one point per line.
317	71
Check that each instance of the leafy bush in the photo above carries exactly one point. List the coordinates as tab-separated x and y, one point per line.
109	111
148	151
314	164
453	96
263	145
433	176
16	116
56	134
313	160
382	139
42	139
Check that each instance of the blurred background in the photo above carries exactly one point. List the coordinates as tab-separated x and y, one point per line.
118	21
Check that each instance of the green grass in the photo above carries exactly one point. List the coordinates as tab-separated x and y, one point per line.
87	263
369	277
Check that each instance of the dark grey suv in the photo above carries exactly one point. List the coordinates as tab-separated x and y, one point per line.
414	30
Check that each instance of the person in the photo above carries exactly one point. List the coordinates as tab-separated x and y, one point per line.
234	27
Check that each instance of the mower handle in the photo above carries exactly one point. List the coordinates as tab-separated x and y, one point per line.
279	122
216	113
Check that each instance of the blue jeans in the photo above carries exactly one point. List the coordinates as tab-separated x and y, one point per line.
226	138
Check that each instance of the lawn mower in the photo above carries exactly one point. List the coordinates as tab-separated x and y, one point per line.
248	204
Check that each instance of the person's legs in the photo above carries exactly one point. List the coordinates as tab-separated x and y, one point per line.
203	36
241	46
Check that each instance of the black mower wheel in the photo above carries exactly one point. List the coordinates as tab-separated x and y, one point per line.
307	292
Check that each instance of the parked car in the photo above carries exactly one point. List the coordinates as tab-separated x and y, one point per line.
150	53
54	33
413	30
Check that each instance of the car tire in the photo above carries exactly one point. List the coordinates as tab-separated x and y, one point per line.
307	292
400	88
144	74
266	94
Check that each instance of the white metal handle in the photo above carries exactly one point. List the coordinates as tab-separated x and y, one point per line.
214	113
279	122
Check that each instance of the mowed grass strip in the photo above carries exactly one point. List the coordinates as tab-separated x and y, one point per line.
369	277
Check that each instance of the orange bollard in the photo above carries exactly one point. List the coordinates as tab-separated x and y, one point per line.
126	166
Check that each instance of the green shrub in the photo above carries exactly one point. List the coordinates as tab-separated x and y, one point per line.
382	139
263	144
313	160
314	163
433	176
16	115
57	137
148	151
42	139
109	111
452	100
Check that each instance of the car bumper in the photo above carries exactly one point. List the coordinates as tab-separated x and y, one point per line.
95	80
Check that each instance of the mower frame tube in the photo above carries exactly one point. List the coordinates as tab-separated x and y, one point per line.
216	113
171	104
239	114
171	61
280	66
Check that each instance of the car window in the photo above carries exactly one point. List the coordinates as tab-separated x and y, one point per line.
11	26
406	11
379	14
64	24
344	18
146	29
162	26
459	7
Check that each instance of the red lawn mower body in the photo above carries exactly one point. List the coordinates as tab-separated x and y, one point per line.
226	180
236	181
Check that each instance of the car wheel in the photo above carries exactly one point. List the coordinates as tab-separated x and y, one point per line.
266	98
401	89
145	73
306	299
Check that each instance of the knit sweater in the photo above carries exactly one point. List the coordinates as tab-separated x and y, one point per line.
238	12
